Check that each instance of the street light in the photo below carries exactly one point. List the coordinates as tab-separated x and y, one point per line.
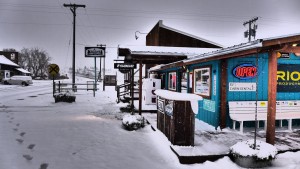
136	37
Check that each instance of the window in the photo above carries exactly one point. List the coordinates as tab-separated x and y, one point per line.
172	81
202	81
184	86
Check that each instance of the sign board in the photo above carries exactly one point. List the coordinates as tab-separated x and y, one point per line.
242	87
283	55
110	80
288	78
169	108
209	105
125	66
245	71
53	69
161	105
94	51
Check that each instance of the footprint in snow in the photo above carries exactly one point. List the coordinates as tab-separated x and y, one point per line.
31	146
44	166
18	124
27	157
15	129
22	134
19	140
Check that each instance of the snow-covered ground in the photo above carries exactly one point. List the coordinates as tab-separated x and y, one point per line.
36	133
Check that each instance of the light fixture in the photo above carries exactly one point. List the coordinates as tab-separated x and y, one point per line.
136	37
295	44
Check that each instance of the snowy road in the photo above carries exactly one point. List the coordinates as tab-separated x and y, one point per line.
36	133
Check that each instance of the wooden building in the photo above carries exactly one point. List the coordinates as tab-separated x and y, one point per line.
160	35
263	70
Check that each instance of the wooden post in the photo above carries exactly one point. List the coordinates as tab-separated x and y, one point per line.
272	91
140	87
132	89
223	96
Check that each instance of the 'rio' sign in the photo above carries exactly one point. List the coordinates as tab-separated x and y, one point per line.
245	71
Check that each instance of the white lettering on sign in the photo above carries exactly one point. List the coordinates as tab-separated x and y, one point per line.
125	66
94	52
242	87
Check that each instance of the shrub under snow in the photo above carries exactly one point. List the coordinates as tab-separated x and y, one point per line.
263	151
133	122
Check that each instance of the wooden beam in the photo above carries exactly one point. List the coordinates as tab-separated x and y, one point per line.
272	91
279	41
140	87
223	96
291	49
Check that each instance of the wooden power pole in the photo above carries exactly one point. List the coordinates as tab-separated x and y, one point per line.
73	8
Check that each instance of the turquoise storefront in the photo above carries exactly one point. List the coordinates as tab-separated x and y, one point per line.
216	76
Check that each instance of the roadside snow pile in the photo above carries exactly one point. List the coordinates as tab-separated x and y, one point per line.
263	151
133	122
193	98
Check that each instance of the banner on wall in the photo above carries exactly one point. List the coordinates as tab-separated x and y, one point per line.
288	78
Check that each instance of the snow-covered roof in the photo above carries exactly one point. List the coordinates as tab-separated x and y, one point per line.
223	51
5	61
22	70
187	34
162	50
283	36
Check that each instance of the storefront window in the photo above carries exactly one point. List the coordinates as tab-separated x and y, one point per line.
172	81
184	86
202	81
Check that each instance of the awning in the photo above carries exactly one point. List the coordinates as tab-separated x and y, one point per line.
5	61
22	70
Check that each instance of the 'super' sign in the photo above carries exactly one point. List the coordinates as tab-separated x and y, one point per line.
245	71
94	51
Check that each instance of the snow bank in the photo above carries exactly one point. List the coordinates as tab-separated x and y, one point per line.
262	151
193	98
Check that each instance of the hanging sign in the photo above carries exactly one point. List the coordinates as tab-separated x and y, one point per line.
95	51
125	66
288	78
245	71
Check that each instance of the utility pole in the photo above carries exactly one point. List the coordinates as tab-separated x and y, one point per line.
251	31
73	8
100	73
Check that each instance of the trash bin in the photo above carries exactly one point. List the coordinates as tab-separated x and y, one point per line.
175	118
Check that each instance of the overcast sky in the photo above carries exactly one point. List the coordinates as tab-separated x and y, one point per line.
48	25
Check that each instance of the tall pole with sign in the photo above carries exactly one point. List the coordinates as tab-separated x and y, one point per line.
53	70
98	51
73	8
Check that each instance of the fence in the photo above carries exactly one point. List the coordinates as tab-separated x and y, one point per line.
61	87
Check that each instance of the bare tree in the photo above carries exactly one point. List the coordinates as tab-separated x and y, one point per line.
9	50
35	60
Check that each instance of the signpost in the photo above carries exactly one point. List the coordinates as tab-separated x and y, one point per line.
97	51
53	70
